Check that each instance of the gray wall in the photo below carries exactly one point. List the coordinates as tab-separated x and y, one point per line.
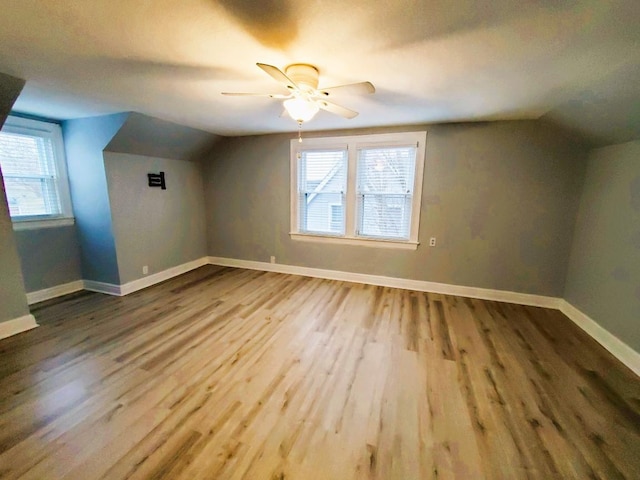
155	227
13	299
501	198
120	226
85	139
49	256
604	271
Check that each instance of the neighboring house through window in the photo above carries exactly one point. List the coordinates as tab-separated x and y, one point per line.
34	172
361	189
336	217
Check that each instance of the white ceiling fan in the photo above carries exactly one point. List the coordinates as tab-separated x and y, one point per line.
305	99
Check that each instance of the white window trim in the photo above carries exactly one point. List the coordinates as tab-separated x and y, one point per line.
46	222
27	126
353	143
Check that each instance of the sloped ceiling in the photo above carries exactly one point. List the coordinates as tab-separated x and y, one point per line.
431	61
144	135
9	90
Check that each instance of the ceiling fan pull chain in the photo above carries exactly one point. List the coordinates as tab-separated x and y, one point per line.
299	132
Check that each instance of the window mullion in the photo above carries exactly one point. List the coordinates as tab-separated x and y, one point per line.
351	193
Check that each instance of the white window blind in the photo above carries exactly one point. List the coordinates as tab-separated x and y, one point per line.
385	191
32	162
29	171
322	178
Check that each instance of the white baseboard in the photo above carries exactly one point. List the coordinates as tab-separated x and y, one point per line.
613	344
53	292
144	282
158	277
17	325
102	287
112	288
419	285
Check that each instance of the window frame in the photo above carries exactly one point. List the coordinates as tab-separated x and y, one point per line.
352	144
53	131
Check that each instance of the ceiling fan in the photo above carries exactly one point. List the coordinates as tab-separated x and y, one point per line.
305	99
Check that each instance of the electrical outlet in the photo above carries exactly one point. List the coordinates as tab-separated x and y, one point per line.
432	242
145	269
272	259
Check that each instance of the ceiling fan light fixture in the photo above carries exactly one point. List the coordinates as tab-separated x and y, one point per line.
301	110
304	99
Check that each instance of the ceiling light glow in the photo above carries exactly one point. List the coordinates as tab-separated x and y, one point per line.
300	109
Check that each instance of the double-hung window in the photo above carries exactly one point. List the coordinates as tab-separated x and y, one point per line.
362	189
34	172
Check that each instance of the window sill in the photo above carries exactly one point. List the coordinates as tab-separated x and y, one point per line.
34	224
362	242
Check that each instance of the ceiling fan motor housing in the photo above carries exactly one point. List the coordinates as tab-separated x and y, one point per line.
304	75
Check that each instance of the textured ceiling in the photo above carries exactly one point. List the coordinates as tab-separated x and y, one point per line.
573	62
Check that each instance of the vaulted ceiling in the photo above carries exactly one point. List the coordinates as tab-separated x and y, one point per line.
575	63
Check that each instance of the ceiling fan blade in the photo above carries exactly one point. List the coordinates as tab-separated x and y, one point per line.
241	94
278	75
351	88
337	109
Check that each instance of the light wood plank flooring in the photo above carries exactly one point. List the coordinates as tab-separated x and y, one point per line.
227	373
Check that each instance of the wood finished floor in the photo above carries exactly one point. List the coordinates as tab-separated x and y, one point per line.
227	373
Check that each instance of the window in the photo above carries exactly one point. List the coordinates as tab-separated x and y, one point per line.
34	170
322	181
361	190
